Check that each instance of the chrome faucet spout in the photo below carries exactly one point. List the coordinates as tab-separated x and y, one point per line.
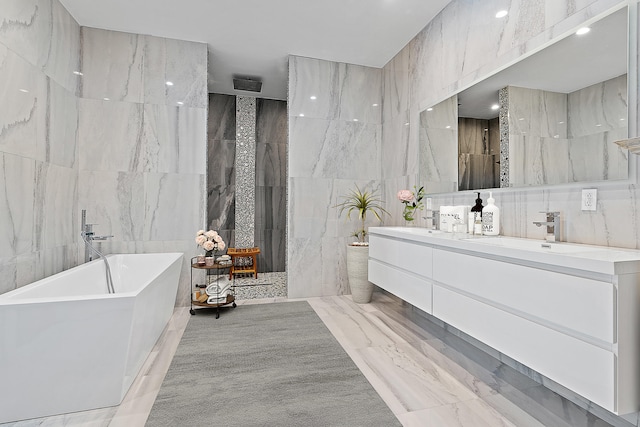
88	236
553	226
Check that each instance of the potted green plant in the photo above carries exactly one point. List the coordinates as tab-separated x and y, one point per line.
362	203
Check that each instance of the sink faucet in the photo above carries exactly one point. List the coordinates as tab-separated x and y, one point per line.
435	219
553	226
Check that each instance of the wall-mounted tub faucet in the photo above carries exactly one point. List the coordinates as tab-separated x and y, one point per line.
553	226
88	236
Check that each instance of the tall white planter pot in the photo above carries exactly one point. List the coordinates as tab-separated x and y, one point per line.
357	271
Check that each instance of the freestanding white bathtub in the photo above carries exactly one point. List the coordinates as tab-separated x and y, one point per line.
66	345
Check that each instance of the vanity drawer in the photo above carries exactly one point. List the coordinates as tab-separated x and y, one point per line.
405	255
587	369
414	289
567	302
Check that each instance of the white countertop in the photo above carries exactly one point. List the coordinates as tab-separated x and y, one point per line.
596	259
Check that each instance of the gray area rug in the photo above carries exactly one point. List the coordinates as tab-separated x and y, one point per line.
265	365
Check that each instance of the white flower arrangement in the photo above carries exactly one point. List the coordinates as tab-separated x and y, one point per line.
210	241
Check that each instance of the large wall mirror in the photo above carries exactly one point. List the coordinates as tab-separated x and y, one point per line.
549	119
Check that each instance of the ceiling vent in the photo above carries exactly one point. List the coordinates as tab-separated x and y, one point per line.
247	84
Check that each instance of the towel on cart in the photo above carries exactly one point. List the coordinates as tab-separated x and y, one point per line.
217	300
219	287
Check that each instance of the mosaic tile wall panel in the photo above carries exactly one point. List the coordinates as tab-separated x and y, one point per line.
245	170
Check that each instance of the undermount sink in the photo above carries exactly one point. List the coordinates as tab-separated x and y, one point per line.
535	245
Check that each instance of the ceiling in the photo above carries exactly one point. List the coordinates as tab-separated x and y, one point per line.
253	38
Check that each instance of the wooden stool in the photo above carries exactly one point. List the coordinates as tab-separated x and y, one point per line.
243	253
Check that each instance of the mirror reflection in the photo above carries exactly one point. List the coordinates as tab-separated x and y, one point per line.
548	119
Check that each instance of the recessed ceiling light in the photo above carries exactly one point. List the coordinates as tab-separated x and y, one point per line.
313	97
106	99
406	124
375	105
560	123
301	115
429	109
23	90
502	14
78	73
355	120
448	127
495	106
583	30
169	83
180	103
598	125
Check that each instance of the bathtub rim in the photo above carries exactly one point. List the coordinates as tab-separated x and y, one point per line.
13	297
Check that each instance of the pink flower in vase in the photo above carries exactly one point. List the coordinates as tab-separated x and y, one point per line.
405	196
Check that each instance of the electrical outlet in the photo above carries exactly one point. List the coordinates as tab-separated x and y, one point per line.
589	199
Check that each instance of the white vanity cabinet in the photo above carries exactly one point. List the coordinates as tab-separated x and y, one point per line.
405	268
571	314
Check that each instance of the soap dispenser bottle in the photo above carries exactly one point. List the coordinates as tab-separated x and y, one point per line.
475	218
491	218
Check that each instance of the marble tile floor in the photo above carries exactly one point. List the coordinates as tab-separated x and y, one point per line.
426	375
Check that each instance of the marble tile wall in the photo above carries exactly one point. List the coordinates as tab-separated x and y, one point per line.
538	144
592	129
142	142
334	144
221	175
134	161
271	184
39	51
456	49
438	127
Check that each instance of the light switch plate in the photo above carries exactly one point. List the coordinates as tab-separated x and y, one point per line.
589	199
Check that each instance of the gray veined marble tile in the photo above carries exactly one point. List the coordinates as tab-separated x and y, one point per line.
314	78
112	64
54	207
598	108
360	93
62	132
26	28
174	139
17	205
106	146
182	63
23	112
115	201
166	194
64	56
335	149
8	274
271	121
395	77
